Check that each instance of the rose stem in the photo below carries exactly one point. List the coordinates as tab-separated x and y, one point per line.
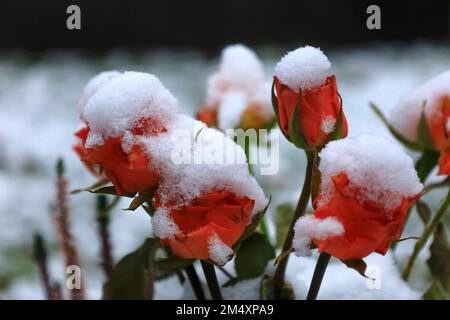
62	226
319	271
299	211
103	219
428	231
211	279
195	282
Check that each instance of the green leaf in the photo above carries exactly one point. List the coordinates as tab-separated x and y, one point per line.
283	217
435	292
359	265
253	225
133	277
296	132
409	144
141	198
423	132
424	211
169	266
96	185
439	261
425	164
253	255
110	190
442	184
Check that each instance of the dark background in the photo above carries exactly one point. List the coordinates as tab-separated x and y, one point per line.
209	24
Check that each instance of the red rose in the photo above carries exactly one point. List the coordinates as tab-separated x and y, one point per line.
128	172
318	111
219	214
208	116
440	132
368	227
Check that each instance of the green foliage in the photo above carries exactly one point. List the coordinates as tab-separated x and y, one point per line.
283	218
133	276
439	261
435	292
253	255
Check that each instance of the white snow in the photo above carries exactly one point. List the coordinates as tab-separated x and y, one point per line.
163	225
240	70
303	68
193	159
327	125
218	251
29	90
231	108
406	115
376	167
122	102
309	227
92	86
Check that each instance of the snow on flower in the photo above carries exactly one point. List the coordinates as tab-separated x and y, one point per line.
219	252
309	227
125	102
303	68
381	171
405	116
303	88
92	86
367	185
433	100
237	90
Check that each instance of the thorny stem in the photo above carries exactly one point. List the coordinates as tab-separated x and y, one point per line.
103	211
428	231
211	280
317	278
62	226
299	211
195	282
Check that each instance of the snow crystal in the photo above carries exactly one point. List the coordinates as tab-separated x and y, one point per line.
92	86
193	159
303	68
378	168
309	227
406	115
163	225
119	104
327	125
230	109
218	251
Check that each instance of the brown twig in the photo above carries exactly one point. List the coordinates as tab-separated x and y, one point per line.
103	218
62	226
40	257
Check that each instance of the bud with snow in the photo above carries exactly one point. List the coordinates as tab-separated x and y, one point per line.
237	95
307	101
367	185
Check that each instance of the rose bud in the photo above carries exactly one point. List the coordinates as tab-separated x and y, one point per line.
237	94
202	208
209	226
422	118
307	102
122	109
367	185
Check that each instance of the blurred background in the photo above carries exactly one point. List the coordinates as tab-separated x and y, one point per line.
44	66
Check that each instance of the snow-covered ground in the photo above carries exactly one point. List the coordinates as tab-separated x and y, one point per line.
38	115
